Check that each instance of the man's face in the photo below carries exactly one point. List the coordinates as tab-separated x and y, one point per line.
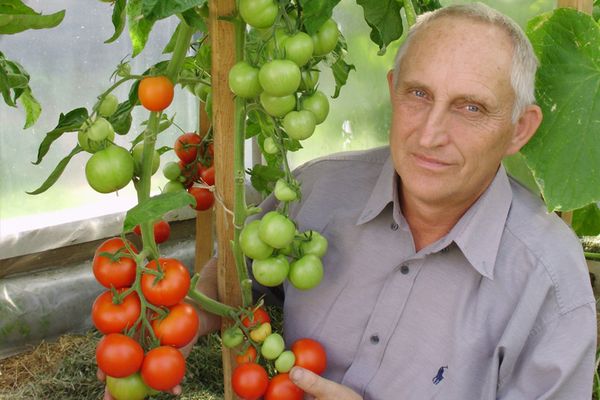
451	112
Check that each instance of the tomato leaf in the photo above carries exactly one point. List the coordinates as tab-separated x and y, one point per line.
16	17
586	220
139	26
121	119
383	16
155	207
118	19
69	122
57	172
263	177
171	45
32	107
564	152
340	68
194	20
157	9
316	12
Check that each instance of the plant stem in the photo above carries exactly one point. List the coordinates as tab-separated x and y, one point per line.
592	256
409	10
210	305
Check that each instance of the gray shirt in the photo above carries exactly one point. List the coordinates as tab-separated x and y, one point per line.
499	308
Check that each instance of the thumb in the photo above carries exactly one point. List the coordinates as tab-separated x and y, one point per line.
311	383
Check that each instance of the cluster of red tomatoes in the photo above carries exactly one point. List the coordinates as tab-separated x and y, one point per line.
194	171
260	348
144	320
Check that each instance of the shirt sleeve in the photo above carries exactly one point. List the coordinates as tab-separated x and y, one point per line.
557	362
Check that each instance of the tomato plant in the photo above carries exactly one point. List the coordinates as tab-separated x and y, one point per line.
306	272
243	80
161	230
167	286
156	92
163	368
131	387
116	268
249	355
119	355
186	147
204	198
310	354
279	77
258	316
178	327
271	271
249	381
251	244
109	316
276	230
258	13
109	169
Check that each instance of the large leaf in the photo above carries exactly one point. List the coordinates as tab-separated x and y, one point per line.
383	16
586	220
69	122
33	109
51	180
16	17
118	19
155	207
316	12
158	9
139	26
564	154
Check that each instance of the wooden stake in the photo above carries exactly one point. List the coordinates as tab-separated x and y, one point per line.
585	6
222	37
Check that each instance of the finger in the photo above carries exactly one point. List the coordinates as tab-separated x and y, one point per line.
100	375
107	395
176	390
311	383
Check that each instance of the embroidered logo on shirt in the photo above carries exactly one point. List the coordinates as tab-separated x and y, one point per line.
439	376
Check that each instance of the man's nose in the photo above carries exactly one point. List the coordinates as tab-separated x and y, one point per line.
434	131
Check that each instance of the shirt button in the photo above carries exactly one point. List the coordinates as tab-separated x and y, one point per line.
394	226
404	269
374	339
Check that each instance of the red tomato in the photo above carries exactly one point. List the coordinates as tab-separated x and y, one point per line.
118	355
249	381
190	172
282	388
114	271
204	198
310	354
259	316
179	327
171	288
246	357
186	147
109	317
155	92
163	368
208	175
162	231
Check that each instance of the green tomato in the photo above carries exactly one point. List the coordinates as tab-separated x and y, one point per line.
243	80
277	106
137	153
276	230
299	48
318	104
258	13
283	191
131	387
109	105
251	244
173	187
110	169
100	130
326	38
285	361
276	44
279	77
269	146
271	271
92	146
273	346
309	79
299	125
232	337
315	243
306	273
171	170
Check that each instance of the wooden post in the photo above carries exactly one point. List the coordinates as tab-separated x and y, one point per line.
204	219
222	37
585	6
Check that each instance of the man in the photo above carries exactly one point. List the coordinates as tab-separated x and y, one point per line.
444	278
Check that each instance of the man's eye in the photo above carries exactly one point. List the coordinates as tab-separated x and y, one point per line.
419	93
472	108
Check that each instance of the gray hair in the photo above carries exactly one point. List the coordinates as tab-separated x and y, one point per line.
524	62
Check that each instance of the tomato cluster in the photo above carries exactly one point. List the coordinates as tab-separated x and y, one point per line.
195	171
262	350
144	319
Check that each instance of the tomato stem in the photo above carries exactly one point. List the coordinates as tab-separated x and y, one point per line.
409	10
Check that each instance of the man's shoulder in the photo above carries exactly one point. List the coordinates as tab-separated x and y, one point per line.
552	244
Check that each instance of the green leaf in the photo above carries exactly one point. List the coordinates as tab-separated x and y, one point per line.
118	19
57	172
15	7
564	153
156	9
69	122
194	20
121	120
171	45
15	23
32	107
517	168
316	12
586	220
340	68
155	207
263	177
139	26
383	16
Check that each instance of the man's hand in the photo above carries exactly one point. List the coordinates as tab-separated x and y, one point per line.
320	388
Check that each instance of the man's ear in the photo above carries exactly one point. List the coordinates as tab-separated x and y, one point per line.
390	79
524	129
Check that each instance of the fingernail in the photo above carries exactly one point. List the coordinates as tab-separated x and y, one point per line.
296	374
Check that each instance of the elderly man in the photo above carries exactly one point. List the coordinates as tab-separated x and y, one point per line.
444	278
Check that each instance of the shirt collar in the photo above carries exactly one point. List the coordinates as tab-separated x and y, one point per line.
477	233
